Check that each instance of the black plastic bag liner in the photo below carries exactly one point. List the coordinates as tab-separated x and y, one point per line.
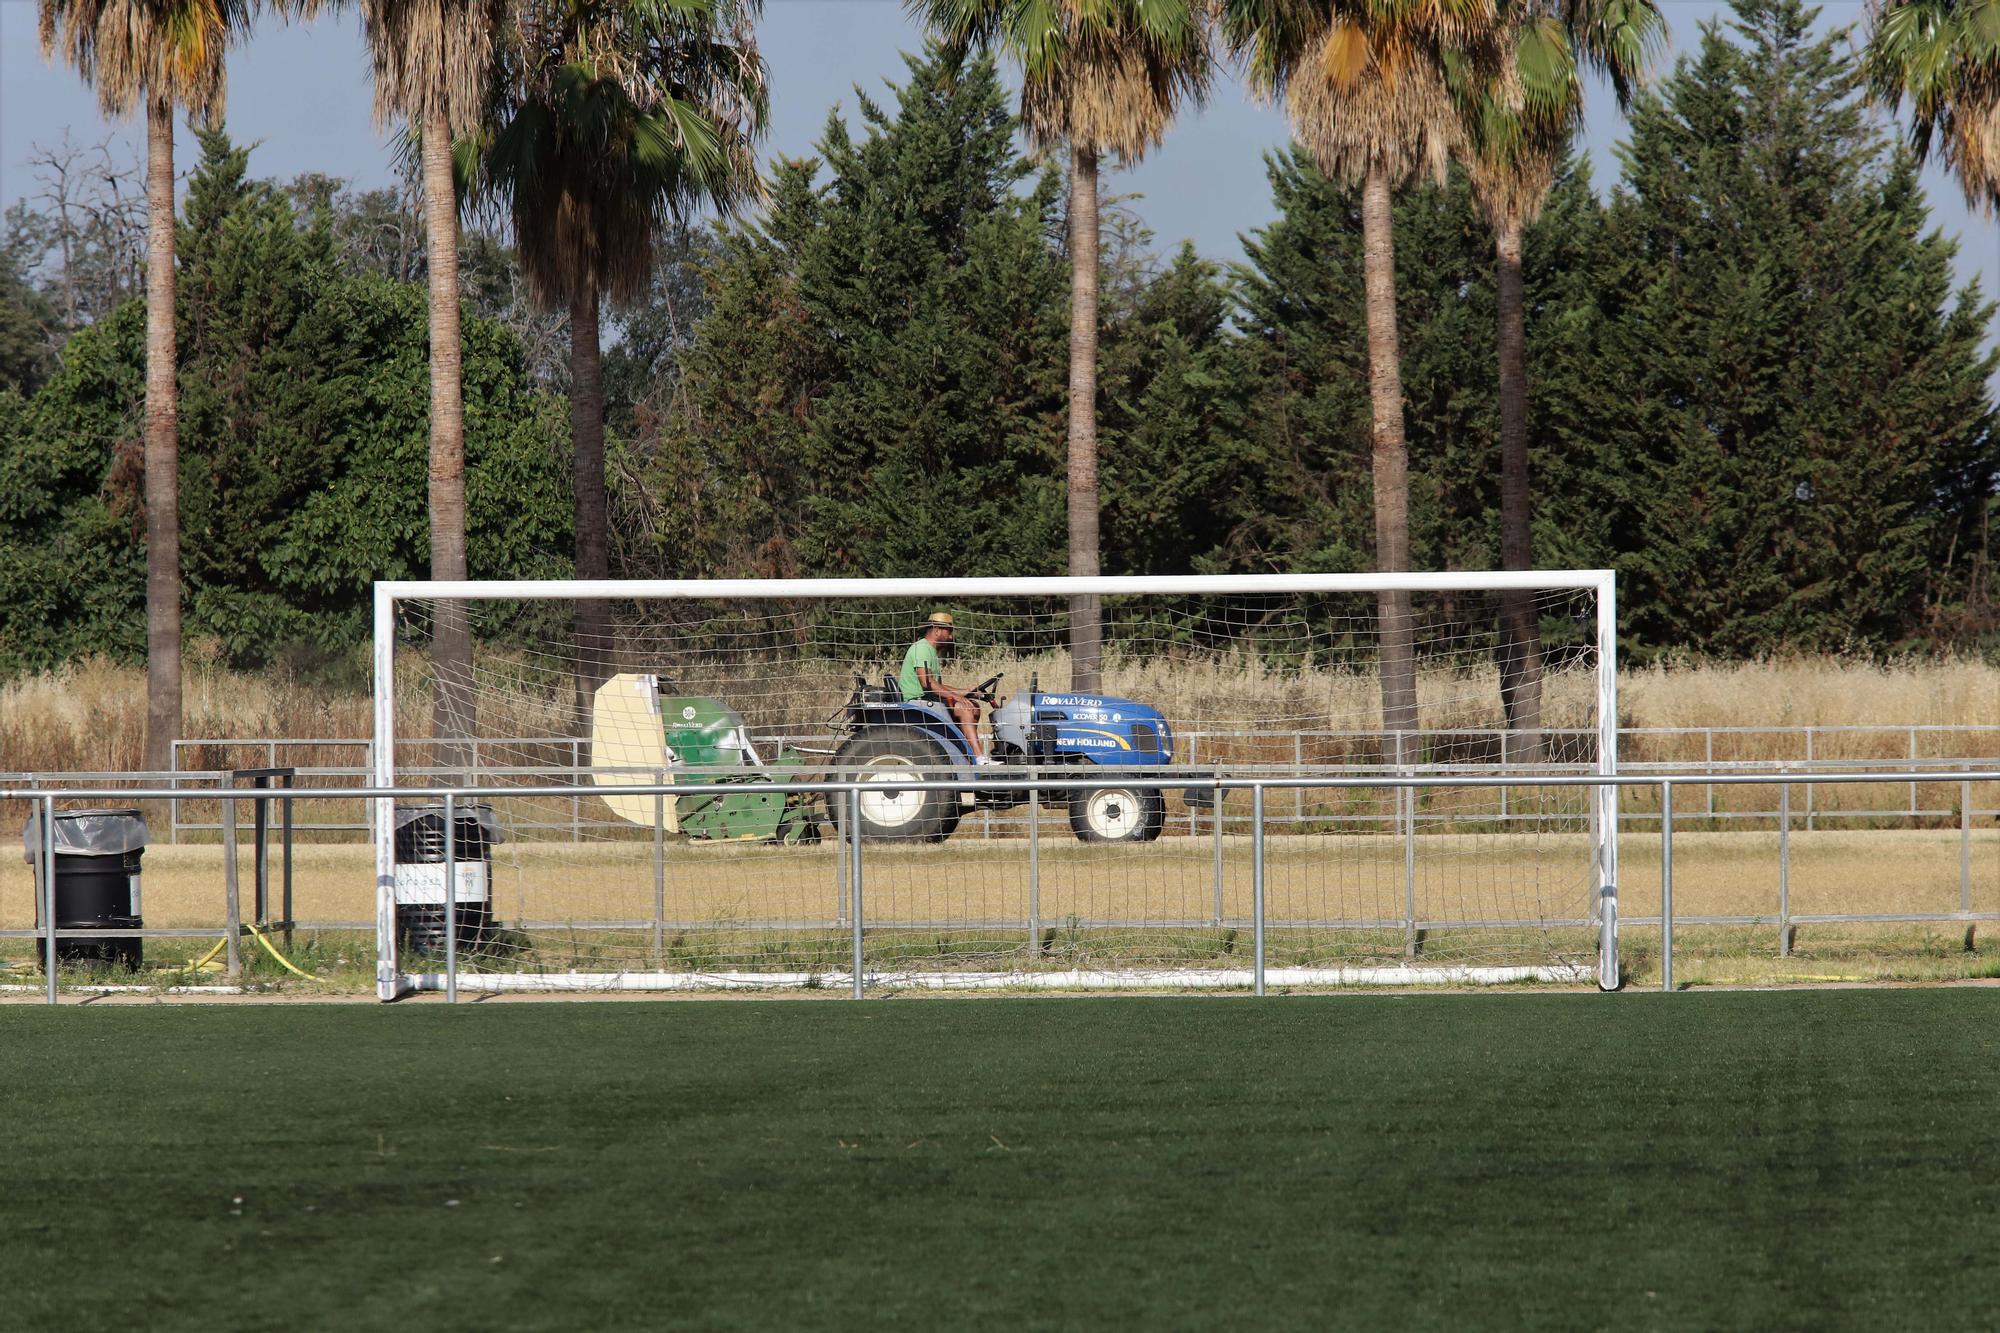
86	833
462	811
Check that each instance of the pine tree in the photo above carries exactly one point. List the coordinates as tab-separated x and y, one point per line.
1169	459
1802	425
877	387
932	286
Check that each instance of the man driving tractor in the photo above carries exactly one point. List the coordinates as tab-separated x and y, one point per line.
922	678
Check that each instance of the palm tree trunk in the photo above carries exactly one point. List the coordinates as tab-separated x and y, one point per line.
451	648
162	449
1520	628
586	407
1086	630
1391	466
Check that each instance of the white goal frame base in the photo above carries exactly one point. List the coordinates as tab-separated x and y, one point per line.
496	983
392	982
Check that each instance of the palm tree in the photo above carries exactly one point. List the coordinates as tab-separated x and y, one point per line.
432	60
1364	84
1520	124
166	54
1943	57
1102	76
617	120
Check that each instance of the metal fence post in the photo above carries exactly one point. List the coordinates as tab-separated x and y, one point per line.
1298	762
659	872
285	814
1809	785
1667	886
450	899
1965	846
854	878
48	850
260	853
575	802
1215	822
1257	881
1194	820
1708	752
1784	870
1406	801
1913	765
845	828
174	804
232	904
1034	871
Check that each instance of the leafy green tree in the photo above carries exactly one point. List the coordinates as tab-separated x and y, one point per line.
1170	460
73	569
26	320
877	387
303	431
938	303
1796	424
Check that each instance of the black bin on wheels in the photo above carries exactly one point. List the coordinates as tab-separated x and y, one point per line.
420	896
97	856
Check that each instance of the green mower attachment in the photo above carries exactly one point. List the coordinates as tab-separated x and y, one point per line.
702	747
706	734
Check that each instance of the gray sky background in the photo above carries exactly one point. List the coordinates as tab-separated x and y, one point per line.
302	95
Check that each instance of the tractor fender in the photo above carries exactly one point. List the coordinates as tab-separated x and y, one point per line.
929	718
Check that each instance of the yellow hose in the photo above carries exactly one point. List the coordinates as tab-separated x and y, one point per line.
272	949
207	961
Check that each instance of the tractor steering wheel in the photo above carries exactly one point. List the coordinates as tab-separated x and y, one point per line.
983	691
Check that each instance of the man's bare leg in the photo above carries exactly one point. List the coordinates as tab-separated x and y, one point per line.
967	713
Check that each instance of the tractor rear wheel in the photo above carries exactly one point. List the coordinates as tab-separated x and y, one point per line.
889	754
1117	814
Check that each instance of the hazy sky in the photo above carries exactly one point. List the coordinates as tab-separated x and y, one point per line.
301	94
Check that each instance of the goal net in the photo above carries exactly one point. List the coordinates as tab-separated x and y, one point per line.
619	753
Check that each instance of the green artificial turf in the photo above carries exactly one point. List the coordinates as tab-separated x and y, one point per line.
1777	1160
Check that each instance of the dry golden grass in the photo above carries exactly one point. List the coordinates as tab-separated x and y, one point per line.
90	716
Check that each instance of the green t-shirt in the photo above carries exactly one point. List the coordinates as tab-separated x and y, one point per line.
923	653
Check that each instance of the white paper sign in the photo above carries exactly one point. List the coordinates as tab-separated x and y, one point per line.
423	885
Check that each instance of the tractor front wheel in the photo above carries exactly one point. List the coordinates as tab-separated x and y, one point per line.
1117	814
886	755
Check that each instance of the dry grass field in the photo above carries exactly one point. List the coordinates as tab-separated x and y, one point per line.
90	716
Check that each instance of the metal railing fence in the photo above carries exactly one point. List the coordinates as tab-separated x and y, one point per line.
849	790
1693	750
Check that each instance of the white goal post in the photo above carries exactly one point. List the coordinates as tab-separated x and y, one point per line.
959	915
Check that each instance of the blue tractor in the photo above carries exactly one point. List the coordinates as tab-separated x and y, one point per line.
889	737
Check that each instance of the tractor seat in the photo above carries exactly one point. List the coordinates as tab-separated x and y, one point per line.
888	692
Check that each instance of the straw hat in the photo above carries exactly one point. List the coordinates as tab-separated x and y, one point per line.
939	620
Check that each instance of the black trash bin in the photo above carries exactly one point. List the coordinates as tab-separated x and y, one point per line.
97	858
420	896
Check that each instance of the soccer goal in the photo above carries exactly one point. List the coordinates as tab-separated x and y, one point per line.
1390	765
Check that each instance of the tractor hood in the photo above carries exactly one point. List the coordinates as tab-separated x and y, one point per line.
1100	728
